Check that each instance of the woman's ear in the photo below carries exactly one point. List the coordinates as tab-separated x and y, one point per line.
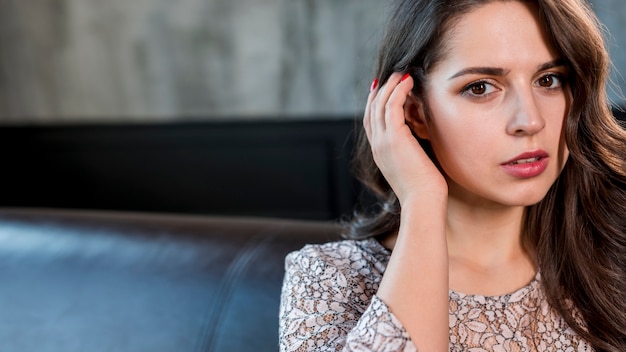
415	116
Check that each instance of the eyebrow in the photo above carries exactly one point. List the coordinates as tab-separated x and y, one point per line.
490	71
552	64
496	71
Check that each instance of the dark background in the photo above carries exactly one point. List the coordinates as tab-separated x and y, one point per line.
291	169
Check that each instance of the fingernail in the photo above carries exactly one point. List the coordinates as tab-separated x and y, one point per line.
374	84
404	78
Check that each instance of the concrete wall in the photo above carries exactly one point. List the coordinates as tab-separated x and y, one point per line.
97	60
147	60
612	13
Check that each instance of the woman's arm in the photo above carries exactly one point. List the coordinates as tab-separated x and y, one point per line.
415	284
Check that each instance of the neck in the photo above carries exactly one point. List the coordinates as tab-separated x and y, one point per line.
494	232
485	251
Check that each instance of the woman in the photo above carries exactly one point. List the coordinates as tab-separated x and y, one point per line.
500	176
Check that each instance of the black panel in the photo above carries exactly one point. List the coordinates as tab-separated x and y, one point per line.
297	169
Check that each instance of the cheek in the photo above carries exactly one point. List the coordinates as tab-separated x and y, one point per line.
458	149
443	132
460	133
556	110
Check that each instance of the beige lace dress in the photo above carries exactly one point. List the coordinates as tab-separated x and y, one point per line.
328	303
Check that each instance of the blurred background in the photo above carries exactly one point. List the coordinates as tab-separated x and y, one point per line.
161	60
201	106
117	116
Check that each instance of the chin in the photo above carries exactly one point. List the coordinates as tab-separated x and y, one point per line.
528	198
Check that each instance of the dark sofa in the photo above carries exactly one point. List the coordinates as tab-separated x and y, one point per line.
132	276
126	281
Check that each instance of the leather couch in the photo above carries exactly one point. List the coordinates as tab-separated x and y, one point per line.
123	281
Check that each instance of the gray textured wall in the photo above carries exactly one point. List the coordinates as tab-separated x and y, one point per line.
138	60
612	13
94	60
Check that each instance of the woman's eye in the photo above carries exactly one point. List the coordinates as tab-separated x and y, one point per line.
478	89
551	81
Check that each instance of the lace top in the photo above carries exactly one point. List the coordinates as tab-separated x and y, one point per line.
328	303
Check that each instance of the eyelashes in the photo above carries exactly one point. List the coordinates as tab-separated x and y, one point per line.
551	81
479	88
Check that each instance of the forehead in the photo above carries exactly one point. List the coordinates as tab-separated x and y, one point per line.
499	33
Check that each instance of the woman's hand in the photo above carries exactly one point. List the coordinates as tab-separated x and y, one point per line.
399	156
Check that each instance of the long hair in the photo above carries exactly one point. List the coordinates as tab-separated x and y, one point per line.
577	233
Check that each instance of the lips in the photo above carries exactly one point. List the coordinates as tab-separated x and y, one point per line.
527	165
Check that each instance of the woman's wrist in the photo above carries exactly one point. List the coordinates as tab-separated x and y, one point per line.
431	197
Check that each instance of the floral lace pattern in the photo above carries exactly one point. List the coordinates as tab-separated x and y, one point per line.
328	303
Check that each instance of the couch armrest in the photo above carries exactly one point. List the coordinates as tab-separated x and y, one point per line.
119	281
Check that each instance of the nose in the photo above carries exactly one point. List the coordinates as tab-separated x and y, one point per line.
526	118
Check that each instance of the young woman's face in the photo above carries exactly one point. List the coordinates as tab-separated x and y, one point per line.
496	105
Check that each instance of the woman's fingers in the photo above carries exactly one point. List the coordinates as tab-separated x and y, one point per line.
381	102
394	108
385	105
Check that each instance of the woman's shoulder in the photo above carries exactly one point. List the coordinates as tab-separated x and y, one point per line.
326	289
346	255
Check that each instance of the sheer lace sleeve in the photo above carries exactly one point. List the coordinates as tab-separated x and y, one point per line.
328	303
379	330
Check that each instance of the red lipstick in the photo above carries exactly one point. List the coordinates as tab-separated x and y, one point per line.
527	165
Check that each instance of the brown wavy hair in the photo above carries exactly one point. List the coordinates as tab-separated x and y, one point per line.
577	233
